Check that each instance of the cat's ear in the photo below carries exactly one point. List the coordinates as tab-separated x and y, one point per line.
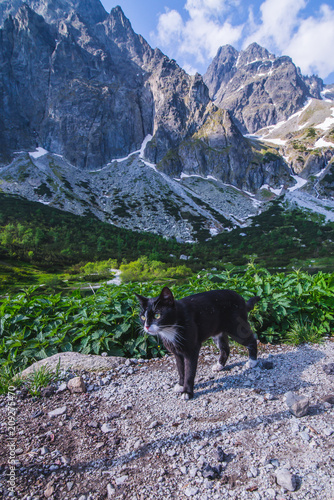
166	296
142	300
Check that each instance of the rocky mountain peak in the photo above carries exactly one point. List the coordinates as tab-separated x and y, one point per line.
254	53
221	69
119	23
258	88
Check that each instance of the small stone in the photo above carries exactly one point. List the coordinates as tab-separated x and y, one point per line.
107	428
93	423
305	436
153	424
57	412
37	413
44	450
329	399
65	460
193	471
219	454
113	415
76	385
137	444
62	387
266	365
298	405
46	392
191	491
270	397
328	431
329	369
110	491
49	490
121	480
286	479
210	472
254	471
271	493
69	485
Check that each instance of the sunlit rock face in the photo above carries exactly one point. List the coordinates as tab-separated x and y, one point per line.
258	88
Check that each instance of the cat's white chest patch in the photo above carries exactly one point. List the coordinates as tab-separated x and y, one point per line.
169	333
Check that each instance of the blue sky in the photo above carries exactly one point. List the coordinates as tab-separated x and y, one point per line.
191	31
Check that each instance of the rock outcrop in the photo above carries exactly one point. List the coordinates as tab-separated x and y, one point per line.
258	88
218	149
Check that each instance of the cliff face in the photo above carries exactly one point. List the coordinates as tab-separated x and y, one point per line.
219	150
91	92
64	92
258	88
82	84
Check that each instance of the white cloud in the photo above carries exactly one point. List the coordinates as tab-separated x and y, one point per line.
312	46
201	34
278	21
170	25
282	26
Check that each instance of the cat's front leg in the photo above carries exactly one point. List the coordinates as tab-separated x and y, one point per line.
190	366
180	368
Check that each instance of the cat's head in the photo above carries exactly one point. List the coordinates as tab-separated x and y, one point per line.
157	315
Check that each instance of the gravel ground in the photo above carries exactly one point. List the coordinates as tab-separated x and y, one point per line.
129	436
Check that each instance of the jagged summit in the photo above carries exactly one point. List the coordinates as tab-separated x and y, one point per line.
253	53
258	88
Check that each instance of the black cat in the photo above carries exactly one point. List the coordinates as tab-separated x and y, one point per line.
184	324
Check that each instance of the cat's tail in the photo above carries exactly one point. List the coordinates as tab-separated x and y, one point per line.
251	303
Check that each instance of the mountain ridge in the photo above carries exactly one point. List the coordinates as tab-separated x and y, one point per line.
97	93
261	80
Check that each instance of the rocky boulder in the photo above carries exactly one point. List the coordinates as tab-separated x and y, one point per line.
75	361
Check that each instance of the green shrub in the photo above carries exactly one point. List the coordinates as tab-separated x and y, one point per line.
102	267
144	269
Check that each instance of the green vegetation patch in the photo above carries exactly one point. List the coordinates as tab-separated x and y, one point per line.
34	326
144	269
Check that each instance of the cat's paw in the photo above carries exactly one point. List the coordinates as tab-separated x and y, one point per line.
178	388
251	363
186	396
218	367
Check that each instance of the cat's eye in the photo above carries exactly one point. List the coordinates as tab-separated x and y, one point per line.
143	317
157	316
